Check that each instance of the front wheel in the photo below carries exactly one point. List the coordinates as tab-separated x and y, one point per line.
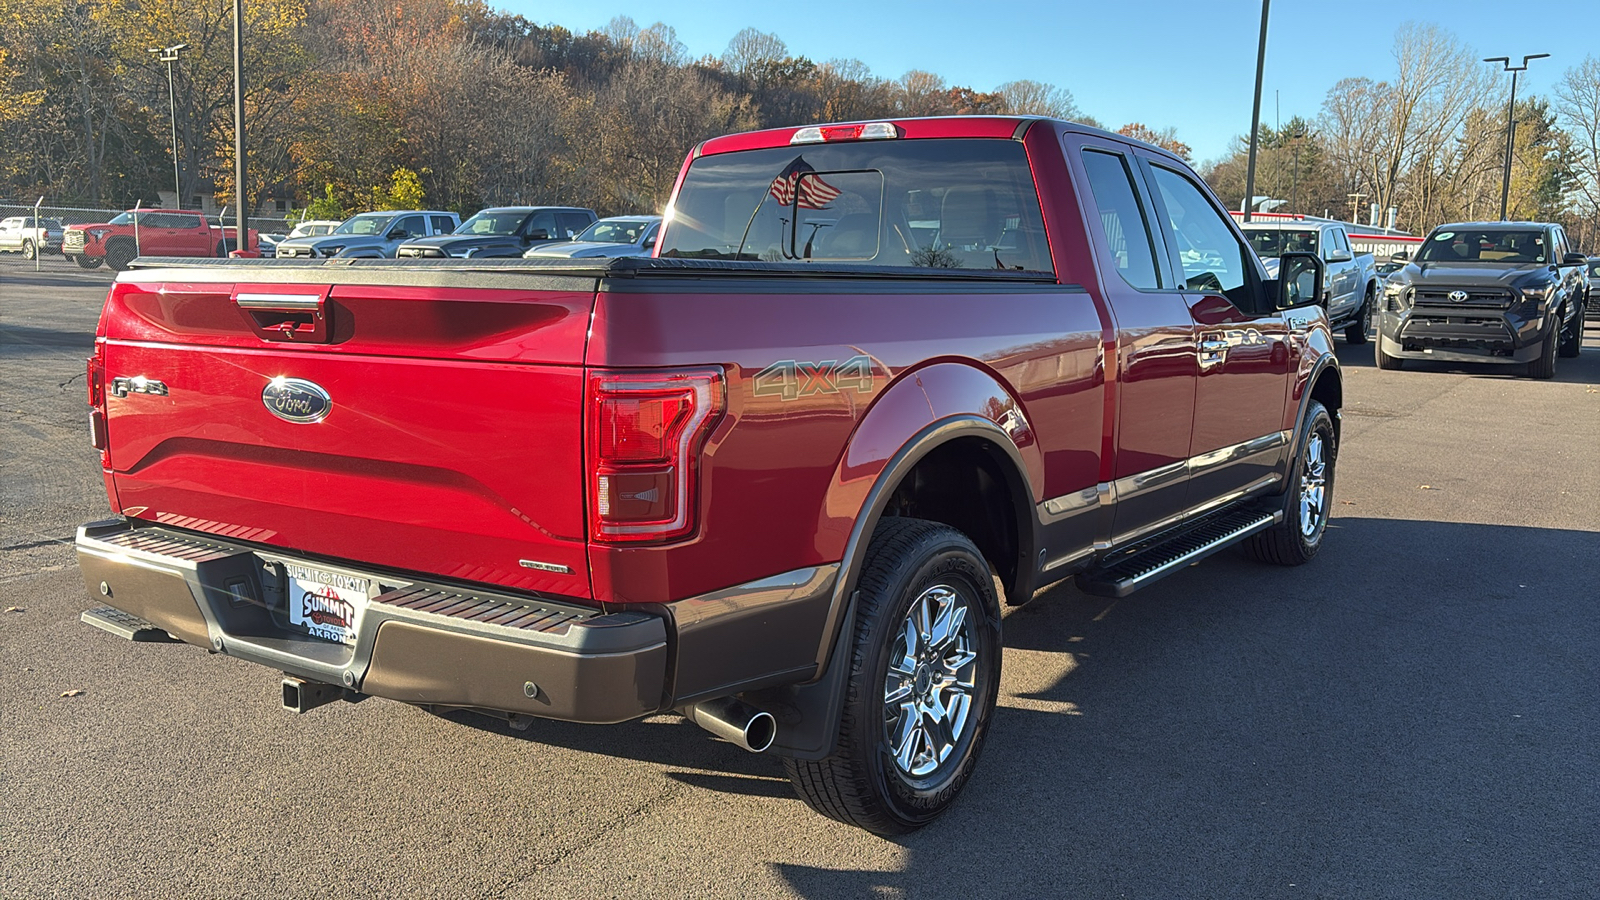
924	674
1356	332
120	254
87	262
28	250
1298	537
1572	337
1544	366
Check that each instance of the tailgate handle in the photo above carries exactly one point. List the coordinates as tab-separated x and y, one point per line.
298	318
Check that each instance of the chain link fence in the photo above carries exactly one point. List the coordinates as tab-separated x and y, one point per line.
70	215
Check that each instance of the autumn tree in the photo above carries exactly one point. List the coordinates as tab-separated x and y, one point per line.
1166	138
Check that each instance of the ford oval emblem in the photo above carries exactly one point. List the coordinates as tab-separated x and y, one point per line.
296	400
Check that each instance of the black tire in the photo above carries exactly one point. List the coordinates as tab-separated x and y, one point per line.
224	247
1545	365
1356	332
119	253
1307	502
1385	361
87	262
1572	337
910	564
28	250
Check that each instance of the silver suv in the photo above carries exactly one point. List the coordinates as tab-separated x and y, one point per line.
373	235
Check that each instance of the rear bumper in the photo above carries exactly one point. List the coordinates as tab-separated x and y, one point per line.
417	642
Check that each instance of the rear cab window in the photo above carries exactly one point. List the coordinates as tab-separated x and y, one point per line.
931	204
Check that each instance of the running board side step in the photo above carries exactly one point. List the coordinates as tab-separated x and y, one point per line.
123	625
1154	558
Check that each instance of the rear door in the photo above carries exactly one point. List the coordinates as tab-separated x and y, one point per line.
433	430
1244	361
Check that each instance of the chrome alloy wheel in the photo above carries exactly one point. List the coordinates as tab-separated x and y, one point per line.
931	682
1313	486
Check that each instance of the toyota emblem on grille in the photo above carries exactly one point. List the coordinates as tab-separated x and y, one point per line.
296	400
1457	296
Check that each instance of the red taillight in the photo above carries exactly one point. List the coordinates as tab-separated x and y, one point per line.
645	432
96	377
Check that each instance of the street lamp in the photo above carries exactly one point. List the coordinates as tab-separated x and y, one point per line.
1511	120
169	55
1255	116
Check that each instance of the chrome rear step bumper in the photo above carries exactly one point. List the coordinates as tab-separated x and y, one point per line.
416	642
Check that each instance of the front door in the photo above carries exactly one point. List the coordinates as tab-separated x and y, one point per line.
1243	385
1155	340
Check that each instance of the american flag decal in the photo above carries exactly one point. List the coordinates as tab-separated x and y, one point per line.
799	185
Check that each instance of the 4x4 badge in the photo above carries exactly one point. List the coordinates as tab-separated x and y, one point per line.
296	400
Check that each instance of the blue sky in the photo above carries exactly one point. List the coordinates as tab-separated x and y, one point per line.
1166	63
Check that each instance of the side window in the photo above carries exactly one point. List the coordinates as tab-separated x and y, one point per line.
1212	259
188	223
1126	229
443	224
545	222
412	225
571	224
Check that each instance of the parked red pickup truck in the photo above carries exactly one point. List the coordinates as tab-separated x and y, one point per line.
770	479
149	232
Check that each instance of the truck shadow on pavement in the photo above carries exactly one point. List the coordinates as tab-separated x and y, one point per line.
1582	369
1414	710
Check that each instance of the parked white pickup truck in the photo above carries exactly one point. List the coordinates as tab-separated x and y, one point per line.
1352	285
30	237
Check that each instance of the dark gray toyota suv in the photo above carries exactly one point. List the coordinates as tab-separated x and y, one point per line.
1489	292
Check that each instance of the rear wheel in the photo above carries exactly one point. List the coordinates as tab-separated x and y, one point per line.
1356	332
1297	538
87	262
28	250
120	253
924	673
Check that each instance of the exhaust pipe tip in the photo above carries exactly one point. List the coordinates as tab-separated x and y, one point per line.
735	721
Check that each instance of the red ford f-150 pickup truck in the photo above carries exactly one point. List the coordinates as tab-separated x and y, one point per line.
150	232
770	479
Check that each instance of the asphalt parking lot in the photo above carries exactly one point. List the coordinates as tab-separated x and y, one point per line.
1414	714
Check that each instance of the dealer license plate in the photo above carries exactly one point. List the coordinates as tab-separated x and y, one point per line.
327	604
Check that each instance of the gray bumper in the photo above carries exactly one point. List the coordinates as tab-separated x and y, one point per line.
1461	334
417	642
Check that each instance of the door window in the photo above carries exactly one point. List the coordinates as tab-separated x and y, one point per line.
186	222
1122	219
443	224
541	227
572	224
1212	258
412	225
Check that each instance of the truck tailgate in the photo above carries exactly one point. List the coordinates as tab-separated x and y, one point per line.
450	443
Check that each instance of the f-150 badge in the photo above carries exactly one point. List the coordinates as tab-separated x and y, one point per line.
790	379
296	400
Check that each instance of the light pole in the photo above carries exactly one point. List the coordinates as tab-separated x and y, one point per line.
1255	117
1511	120
241	235
169	55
